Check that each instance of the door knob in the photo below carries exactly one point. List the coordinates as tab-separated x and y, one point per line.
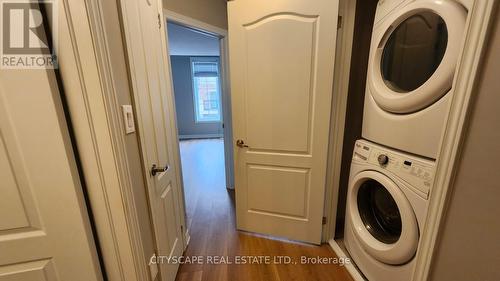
156	170
241	144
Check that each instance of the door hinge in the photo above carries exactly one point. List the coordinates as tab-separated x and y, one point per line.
159	21
339	22
323	221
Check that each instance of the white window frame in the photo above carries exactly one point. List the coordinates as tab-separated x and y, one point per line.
193	60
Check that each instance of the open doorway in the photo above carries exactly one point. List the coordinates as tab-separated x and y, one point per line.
197	75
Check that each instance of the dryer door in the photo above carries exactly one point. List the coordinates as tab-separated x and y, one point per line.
382	218
414	55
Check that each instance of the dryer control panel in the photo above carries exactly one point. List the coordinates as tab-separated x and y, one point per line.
416	171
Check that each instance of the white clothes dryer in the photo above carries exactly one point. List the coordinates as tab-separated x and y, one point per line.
413	57
386	210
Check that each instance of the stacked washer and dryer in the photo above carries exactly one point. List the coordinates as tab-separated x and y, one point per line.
413	56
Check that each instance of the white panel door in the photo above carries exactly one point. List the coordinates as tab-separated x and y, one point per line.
144	35
281	60
44	228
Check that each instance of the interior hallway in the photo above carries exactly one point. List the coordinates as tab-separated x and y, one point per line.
211	215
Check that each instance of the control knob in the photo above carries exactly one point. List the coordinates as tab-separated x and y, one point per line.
383	159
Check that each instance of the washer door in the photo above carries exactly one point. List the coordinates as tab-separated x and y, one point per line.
414	61
382	218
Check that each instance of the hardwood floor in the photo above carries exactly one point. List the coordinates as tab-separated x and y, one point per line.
203	173
211	214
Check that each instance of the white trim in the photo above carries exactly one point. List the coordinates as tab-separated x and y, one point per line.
200	136
226	112
347	10
194	23
94	113
351	268
465	80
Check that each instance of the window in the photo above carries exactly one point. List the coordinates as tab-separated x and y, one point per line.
206	88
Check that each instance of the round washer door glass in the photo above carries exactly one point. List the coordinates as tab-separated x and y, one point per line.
379	212
414	51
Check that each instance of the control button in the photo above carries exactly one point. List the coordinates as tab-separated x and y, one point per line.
356	154
383	159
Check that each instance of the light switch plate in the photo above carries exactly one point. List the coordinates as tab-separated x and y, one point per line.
128	119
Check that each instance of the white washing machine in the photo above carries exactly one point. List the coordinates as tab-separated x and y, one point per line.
413	56
386	209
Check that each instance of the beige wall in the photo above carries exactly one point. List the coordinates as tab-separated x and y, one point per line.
121	80
470	246
213	12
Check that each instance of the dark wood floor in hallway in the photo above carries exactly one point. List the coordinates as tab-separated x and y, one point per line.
211	214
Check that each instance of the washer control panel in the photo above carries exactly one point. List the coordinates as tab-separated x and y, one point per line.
417	172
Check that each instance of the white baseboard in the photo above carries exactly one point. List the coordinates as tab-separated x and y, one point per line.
355	274
203	136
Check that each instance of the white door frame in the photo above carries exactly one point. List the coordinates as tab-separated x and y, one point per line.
83	55
480	13
226	90
347	12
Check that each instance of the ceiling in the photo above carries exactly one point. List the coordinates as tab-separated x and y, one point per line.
184	41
